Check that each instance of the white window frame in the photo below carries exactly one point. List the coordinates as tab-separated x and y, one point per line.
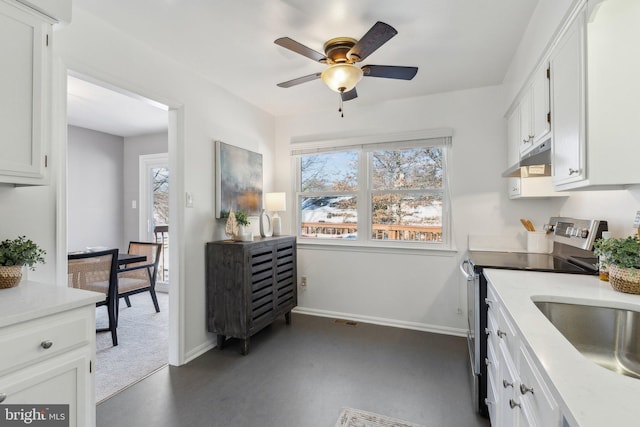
366	145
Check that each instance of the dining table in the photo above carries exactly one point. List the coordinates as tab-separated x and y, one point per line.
123	257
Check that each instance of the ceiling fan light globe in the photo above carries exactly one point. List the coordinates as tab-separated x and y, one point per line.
341	77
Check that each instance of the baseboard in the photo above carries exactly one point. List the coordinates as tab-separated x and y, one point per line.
198	351
424	327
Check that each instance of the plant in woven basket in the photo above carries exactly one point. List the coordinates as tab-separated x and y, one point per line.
15	254
623	258
20	252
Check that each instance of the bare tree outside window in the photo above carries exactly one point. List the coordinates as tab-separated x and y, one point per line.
160	182
405	190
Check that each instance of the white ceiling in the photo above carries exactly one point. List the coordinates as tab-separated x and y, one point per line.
457	44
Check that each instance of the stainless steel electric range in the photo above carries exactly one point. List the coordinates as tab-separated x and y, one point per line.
572	254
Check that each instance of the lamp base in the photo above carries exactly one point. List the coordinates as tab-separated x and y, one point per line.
277	225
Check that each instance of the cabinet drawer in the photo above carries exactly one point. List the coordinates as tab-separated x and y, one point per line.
25	343
535	393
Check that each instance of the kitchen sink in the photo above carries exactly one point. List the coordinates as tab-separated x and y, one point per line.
609	337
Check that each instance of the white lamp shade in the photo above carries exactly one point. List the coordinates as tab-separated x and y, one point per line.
275	202
341	77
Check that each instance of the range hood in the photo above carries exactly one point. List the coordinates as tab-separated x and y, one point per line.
535	163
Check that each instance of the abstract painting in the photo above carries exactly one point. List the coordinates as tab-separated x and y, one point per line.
238	180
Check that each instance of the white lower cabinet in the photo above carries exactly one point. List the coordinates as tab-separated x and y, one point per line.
47	360
517	395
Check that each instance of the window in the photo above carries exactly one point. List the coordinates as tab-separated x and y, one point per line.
378	193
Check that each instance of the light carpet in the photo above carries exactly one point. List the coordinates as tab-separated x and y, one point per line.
350	417
142	344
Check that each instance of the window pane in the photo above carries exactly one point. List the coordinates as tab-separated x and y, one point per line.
416	168
329	171
329	217
407	217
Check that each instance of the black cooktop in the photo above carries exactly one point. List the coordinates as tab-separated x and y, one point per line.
529	261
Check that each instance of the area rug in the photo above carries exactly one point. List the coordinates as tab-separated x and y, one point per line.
350	417
142	344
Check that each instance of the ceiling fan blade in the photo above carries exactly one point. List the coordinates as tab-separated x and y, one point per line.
377	35
389	71
303	50
300	80
348	96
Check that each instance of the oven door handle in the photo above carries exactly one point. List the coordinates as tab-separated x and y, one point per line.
463	267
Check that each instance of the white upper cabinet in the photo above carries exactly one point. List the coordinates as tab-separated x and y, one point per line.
567	82
528	126
25	85
541	111
595	88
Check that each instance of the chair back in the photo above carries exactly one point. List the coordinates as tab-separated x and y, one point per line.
152	251
94	271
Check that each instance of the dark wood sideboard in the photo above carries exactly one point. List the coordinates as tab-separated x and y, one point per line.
249	284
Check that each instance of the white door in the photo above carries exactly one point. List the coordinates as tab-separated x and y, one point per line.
154	207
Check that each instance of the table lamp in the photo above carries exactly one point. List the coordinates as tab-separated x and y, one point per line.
275	202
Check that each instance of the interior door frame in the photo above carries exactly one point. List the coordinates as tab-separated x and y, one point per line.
145	200
176	137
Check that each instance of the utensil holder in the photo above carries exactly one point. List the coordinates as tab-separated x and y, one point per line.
538	242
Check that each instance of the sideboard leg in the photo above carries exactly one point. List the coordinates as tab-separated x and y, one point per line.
287	317
220	341
245	347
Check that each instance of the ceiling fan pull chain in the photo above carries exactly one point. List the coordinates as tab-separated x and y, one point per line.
340	110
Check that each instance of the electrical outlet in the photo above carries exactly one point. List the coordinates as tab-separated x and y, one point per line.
303	281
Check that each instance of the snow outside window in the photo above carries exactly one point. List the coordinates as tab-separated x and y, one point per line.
386	193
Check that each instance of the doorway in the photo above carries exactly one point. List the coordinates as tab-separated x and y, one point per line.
92	118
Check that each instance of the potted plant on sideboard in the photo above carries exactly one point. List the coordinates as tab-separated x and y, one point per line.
14	255
622	256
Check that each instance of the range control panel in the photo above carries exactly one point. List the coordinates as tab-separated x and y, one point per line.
580	233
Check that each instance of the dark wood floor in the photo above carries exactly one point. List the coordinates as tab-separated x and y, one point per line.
302	375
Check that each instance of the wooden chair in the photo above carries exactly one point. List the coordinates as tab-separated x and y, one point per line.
141	276
97	271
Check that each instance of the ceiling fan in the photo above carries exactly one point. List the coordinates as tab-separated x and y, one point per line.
341	54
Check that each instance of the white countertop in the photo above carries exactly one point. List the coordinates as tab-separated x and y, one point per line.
589	394
30	300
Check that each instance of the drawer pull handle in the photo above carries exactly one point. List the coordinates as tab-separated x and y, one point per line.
506	384
487	361
513	403
501	334
488	302
46	344
524	389
487	331
3	396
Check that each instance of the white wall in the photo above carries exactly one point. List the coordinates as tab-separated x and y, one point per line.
30	212
134	147
94	189
540	31
418	290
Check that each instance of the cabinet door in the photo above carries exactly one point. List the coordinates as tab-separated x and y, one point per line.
567	109
526	128
24	101
540	101
513	138
62	380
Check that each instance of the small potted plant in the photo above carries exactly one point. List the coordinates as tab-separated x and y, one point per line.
623	258
15	254
243	220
